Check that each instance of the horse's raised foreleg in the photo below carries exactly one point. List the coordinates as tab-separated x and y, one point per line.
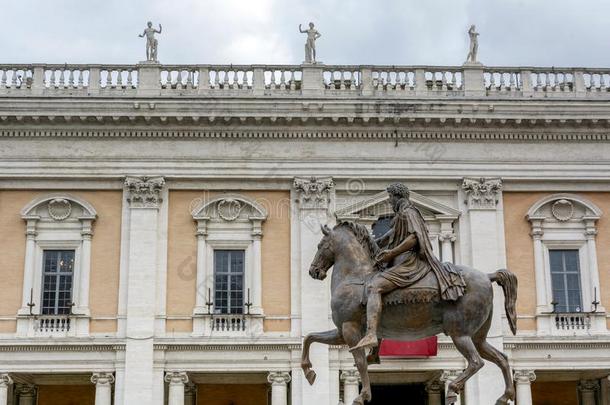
331	337
465	346
352	333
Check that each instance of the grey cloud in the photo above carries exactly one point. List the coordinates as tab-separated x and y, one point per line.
513	32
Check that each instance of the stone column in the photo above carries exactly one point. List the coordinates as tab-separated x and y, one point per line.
483	200
143	194
5	383
312	200
447	237
190	394
587	390
279	387
176	380
27	394
351	386
523	380
103	388
434	389
447	377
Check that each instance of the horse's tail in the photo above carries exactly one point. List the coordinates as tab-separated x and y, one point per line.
508	282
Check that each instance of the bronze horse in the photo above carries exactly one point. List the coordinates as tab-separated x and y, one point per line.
351	250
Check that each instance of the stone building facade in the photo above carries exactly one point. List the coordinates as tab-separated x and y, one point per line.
157	223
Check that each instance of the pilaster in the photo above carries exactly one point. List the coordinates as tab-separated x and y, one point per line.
144	196
313	198
483	203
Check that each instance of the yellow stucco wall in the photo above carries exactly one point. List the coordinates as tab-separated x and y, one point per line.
520	248
105	254
66	395
182	256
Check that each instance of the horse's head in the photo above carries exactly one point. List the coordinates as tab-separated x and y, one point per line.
325	256
347	241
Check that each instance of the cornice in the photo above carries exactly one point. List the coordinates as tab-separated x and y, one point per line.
54	347
446	134
227	347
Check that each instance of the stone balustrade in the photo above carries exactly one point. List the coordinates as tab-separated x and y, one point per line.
295	80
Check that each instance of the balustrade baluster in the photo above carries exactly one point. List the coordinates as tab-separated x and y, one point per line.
216	82
602	82
282	81
225	82
119	79
3	81
81	79
190	79
14	78
130	79
62	78
293	81
352	83
53	79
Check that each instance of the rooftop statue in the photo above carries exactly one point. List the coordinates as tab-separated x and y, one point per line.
474	45
310	45
151	42
410	295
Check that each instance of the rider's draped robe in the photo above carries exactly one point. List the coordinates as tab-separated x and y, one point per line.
413	265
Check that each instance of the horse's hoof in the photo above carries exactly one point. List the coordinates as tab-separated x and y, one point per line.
311	377
358	401
451	399
502	401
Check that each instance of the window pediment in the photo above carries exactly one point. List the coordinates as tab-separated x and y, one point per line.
230	207
58	207
564	208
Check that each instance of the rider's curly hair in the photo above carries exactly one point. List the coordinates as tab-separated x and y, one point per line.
399	190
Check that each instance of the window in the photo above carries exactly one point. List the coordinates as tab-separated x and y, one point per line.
58	275
229	281
382	226
565	278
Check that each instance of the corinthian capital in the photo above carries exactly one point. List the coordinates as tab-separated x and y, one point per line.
144	192
313	193
482	193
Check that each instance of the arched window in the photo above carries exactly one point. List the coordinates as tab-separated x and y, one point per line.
59	228
564	229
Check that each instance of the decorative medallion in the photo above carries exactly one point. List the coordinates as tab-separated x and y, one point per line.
229	209
563	210
59	209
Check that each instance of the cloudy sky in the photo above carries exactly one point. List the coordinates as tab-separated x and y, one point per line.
513	32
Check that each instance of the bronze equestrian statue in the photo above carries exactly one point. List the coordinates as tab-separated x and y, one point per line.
422	296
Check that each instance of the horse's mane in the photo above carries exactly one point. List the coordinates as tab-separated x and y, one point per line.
363	236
